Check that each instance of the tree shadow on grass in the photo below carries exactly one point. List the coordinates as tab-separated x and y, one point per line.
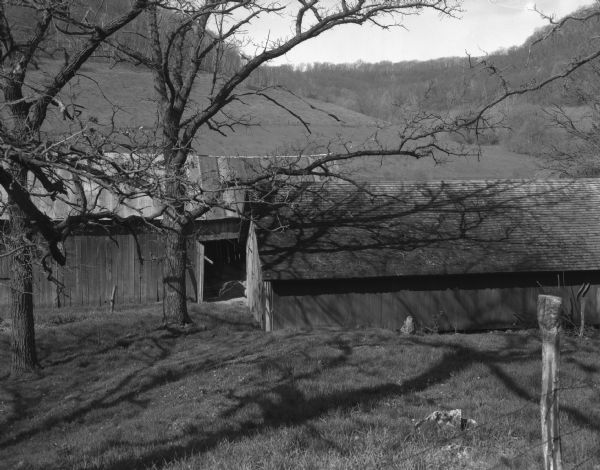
153	373
285	404
282	402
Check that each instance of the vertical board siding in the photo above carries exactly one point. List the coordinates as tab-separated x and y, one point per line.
269	302
255	287
109	269
190	285
97	263
125	266
200	272
434	310
4	277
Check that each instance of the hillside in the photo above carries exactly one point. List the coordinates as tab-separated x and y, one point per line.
379	89
125	96
495	162
344	105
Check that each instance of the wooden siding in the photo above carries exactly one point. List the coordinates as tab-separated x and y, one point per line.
254	277
438	304
199	272
259	293
221	229
96	263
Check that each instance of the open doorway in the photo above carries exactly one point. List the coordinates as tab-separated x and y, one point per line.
224	265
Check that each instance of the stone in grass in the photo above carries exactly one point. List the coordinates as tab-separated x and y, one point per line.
183	426
452	418
408	328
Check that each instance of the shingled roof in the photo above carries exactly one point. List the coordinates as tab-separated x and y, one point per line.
431	228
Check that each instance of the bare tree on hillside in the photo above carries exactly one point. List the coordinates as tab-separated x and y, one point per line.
565	135
176	40
28	33
185	38
574	153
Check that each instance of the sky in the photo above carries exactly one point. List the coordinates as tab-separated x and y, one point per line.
484	26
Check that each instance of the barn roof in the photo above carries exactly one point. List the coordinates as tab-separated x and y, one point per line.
208	171
431	228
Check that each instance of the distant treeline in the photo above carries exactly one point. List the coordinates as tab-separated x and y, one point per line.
382	89
65	36
376	89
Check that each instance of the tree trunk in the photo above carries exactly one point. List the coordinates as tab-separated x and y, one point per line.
18	240
175	262
24	356
174	269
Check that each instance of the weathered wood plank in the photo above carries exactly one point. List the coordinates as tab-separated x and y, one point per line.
376	303
200	272
548	314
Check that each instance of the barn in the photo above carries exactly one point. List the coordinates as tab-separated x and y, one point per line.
128	261
454	255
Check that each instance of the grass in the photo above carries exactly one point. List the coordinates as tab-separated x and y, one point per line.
126	95
116	392
495	162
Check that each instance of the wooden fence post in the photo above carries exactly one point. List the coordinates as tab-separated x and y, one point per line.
548	313
112	299
582	318
581	295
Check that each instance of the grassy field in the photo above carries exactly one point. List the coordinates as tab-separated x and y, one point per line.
495	162
117	392
125	96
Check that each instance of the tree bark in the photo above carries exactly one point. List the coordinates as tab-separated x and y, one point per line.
175	261
19	235
174	269
25	117
24	355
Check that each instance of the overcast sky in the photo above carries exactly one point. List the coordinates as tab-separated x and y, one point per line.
484	26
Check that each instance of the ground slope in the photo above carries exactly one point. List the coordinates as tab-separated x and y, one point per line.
126	95
117	393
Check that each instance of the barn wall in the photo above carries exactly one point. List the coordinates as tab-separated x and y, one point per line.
96	263
258	292
436	303
253	275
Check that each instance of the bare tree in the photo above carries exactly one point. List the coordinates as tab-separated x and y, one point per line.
566	136
575	152
185	38
177	41
29	32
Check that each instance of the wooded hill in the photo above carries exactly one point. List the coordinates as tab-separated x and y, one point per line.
381	89
106	93
79	14
111	92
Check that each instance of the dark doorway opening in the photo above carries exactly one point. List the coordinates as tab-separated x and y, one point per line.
224	262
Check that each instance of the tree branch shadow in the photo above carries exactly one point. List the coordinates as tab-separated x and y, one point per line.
285	404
